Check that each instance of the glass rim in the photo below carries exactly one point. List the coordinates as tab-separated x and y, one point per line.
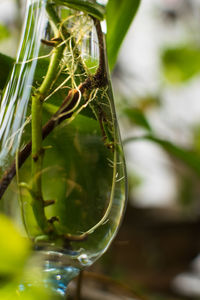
96	8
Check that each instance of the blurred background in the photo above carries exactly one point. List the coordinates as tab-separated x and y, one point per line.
156	83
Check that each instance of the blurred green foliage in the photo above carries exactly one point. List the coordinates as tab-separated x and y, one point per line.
181	63
14	254
189	157
6	63
136	116
4	32
13	248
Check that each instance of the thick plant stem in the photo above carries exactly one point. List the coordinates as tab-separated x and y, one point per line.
37	198
38	203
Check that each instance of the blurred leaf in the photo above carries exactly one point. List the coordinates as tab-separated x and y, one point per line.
136	116
188	157
6	64
134	180
186	195
181	64
13	248
120	14
4	33
148	102
14	291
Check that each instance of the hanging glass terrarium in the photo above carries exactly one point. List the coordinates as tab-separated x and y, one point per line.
62	172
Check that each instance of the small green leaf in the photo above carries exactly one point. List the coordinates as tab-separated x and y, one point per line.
181	64
120	14
136	116
188	157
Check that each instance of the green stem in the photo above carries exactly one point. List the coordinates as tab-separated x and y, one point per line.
37	150
37	200
57	54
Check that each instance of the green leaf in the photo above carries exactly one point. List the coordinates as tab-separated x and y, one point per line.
4	32
13	248
137	117
6	64
11	292
181	64
120	14
188	157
